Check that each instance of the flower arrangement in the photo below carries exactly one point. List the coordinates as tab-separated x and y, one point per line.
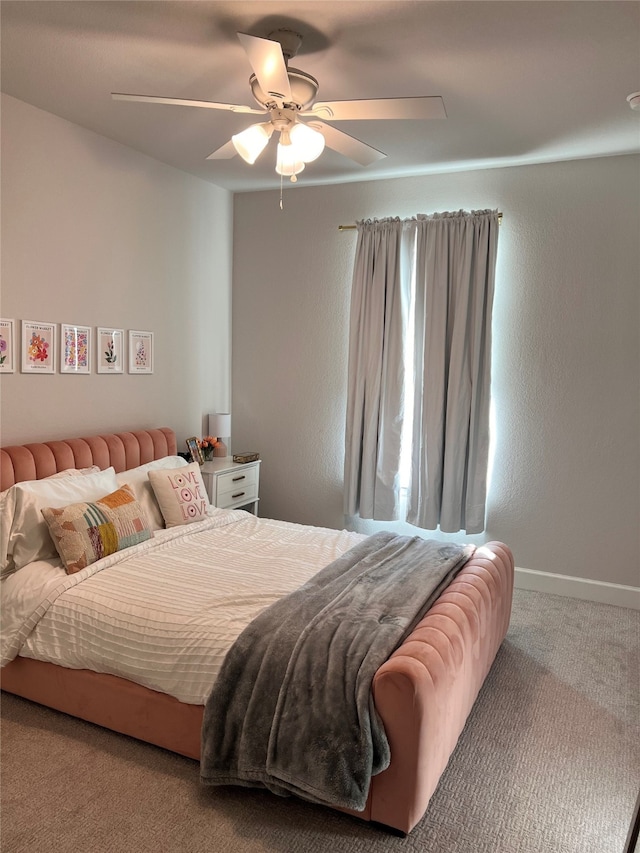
38	348
109	354
140	355
208	445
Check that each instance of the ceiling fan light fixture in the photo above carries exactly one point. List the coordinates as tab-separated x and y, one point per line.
251	142
308	142
288	162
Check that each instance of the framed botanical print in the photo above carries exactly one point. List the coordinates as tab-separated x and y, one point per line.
75	349
110	350
140	352
7	346
38	347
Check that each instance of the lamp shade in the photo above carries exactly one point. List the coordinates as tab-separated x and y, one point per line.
220	425
251	142
307	142
288	163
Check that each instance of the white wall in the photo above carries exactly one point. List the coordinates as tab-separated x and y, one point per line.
565	487
96	234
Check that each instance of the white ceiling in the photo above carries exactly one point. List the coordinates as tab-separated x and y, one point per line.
523	81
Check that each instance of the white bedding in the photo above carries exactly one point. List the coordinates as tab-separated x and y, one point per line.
165	612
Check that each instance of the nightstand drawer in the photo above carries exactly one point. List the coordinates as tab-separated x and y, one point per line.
236	480
238	496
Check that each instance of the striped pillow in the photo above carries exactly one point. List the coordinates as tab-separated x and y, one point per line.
86	532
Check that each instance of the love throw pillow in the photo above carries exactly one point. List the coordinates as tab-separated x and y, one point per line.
181	494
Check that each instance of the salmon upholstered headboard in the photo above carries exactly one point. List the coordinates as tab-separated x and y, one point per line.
123	450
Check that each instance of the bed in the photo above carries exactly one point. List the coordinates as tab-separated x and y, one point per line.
423	692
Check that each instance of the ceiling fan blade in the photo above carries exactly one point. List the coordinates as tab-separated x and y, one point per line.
185	102
351	147
225	152
267	60
380	108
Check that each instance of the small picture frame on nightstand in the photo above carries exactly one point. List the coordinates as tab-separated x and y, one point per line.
194	449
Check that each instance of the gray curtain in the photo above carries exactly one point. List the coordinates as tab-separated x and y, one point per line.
377	365
430	382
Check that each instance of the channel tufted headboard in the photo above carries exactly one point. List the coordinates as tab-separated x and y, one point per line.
123	450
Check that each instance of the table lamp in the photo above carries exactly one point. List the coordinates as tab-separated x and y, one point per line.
220	427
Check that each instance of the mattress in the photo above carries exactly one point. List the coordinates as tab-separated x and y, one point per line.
164	613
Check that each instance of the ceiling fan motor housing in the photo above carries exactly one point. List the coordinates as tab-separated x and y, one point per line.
304	89
289	40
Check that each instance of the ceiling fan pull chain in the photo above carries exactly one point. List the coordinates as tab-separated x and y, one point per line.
281	179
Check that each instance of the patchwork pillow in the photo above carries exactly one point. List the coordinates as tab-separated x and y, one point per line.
24	536
138	479
86	532
181	494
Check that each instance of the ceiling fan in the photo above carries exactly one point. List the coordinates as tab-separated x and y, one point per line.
287	95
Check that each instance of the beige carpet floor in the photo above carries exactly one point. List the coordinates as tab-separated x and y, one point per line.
549	762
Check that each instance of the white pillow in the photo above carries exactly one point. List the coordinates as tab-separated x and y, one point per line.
24	533
181	494
138	479
73	472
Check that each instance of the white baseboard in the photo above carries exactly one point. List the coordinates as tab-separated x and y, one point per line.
599	591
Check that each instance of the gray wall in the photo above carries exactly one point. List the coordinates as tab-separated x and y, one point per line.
565	484
94	233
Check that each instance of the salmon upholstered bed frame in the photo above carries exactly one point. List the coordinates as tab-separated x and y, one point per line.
423	693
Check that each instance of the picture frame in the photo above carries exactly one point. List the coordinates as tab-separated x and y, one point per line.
7	346
140	351
194	449
110	350
38	347
75	349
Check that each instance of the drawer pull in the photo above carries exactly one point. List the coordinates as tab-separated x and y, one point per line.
237	495
237	479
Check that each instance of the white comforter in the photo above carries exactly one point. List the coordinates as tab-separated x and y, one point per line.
165	612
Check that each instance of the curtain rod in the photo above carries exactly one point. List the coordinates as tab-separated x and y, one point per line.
353	227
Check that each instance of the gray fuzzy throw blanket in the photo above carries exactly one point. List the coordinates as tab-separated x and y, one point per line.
291	709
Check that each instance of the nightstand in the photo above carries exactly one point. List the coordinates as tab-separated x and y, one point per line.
232	485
